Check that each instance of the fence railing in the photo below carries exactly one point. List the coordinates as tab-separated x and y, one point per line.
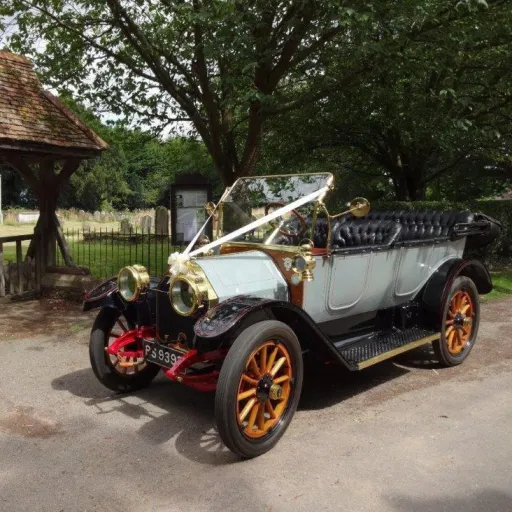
105	251
19	275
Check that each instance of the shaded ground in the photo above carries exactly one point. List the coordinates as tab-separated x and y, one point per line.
401	436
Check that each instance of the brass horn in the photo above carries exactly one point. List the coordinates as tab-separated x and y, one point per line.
358	207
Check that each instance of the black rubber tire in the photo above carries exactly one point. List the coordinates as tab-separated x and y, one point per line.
101	365
440	347
227	387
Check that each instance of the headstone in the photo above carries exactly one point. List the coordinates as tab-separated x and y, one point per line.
86	227
103	217
126	227
145	223
118	216
162	220
82	215
97	216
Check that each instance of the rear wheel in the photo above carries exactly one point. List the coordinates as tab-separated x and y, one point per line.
122	372
461	317
259	388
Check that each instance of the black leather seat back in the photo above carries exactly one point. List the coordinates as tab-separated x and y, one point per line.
365	233
421	225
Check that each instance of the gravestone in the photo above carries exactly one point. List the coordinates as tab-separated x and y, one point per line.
146	223
97	216
126	227
162	220
82	215
86	227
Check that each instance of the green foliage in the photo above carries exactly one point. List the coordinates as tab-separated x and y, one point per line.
431	118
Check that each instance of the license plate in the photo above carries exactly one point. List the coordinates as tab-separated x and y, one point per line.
161	355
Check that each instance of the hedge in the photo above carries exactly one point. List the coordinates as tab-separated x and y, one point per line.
499	253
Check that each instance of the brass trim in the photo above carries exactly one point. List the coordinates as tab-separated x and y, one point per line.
201	286
261	246
142	281
399	350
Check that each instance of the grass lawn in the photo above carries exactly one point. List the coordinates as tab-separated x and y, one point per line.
502	281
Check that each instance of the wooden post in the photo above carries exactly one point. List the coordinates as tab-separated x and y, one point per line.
19	265
2	271
38	257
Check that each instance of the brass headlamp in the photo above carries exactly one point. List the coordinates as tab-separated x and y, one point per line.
191	290
132	282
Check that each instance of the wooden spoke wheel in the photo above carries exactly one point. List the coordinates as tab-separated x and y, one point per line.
459	328
459	321
129	361
259	388
125	371
264	389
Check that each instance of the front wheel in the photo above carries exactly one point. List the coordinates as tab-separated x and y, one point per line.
460	320
117	372
259	388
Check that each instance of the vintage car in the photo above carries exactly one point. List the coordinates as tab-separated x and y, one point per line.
273	276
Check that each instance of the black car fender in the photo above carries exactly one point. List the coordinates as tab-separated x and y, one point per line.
220	326
106	295
436	290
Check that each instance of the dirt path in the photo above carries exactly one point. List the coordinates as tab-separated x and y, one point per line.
401	436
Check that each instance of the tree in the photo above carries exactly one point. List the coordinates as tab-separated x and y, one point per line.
224	66
441	106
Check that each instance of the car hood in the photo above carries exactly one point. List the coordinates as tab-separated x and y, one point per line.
245	273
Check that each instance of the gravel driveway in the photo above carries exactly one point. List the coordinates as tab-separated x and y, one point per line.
403	436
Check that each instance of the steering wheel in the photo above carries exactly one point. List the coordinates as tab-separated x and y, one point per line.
303	224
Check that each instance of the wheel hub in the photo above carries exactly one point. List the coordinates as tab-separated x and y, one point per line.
264	387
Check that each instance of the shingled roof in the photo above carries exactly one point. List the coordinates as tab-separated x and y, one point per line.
32	119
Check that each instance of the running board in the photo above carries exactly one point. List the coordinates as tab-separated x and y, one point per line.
377	347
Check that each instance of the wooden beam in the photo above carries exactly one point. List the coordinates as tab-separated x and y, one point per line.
63	245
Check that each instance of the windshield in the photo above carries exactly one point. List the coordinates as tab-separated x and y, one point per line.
251	199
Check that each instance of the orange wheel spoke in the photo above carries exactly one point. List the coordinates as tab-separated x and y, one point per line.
449	330
254	368
449	322
247	394
249	380
283	378
248	406
271	359
263	359
252	417
261	417
270	409
465	308
450	338
277	366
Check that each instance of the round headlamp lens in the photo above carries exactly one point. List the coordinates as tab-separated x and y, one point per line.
183	297
127	284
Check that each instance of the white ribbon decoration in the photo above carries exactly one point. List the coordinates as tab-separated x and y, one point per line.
178	263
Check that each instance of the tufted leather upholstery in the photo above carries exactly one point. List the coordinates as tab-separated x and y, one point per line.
364	233
423	225
384	228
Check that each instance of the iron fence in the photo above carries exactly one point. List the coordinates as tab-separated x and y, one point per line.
105	251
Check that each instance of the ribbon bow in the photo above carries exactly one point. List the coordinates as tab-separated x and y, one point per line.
178	263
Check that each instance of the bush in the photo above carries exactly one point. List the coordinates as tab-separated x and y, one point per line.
498	254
